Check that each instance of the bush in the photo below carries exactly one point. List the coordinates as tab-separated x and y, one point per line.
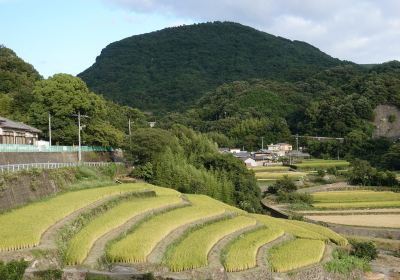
294	197
365	250
283	185
84	172
51	274
144	172
321	172
332	171
13	270
343	263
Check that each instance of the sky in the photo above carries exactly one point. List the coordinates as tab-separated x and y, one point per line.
65	36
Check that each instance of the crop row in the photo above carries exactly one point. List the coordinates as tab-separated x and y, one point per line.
23	227
138	244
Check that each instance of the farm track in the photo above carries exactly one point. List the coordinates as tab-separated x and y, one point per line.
98	248
262	270
324	188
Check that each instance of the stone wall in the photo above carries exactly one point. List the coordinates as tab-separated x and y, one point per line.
387	122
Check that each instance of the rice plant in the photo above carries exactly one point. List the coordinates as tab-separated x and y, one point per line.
192	250
23	227
241	254
295	254
80	245
138	244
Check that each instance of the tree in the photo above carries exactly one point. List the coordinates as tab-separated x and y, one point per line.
63	96
391	159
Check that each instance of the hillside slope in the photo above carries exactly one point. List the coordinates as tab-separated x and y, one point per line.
171	68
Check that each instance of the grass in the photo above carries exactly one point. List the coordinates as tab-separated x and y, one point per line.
23	227
343	263
381	243
295	254
80	245
192	250
241	254
356	199
138	244
315	164
279	175
270	168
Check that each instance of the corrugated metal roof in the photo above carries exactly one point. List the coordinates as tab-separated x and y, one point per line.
4	122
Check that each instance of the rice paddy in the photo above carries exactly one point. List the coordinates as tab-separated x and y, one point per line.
279	175
381	221
192	251
295	254
241	254
23	227
356	199
315	164
80	244
137	245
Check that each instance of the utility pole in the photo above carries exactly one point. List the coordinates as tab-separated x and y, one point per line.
297	142
49	129
262	143
129	127
79	134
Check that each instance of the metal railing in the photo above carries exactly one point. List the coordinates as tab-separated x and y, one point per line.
17	148
49	165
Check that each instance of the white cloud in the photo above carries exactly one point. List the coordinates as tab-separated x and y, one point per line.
363	31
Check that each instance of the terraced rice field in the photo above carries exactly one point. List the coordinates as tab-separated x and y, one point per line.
241	254
295	254
192	251
23	227
302	229
273	168
79	246
315	164
189	249
137	245
381	221
355	199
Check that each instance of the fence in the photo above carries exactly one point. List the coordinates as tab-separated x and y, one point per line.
16	148
49	165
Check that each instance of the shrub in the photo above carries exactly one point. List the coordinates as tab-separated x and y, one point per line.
321	172
365	250
343	263
283	185
13	270
51	274
144	172
332	171
294	197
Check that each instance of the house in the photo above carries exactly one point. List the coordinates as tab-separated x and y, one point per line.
280	149
265	156
234	151
17	133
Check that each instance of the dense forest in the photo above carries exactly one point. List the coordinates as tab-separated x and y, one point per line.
170	69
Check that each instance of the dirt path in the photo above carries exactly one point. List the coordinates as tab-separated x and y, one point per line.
97	250
323	188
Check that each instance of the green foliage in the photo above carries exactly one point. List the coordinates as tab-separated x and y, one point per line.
144	172
13	270
285	185
51	274
364	250
171	68
343	263
362	173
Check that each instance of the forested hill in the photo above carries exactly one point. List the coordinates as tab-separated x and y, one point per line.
172	68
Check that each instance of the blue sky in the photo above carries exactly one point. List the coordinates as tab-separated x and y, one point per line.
67	35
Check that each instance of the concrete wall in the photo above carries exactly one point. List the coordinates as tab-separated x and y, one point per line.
18	158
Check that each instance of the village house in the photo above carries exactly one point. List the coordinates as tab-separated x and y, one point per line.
17	133
280	149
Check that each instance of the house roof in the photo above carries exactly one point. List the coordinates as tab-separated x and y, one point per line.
242	155
4	122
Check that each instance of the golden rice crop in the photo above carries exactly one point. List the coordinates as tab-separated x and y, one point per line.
80	245
23	227
289	227
191	252
295	254
333	236
137	245
241	254
355	196
357	205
